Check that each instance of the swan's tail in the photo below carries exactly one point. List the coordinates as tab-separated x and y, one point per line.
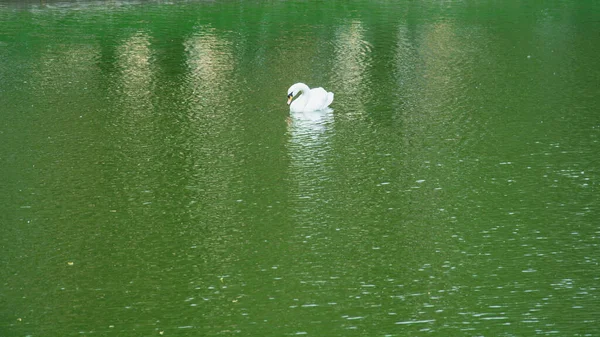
329	98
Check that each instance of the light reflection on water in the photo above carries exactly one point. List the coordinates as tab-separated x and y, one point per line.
352	57
164	186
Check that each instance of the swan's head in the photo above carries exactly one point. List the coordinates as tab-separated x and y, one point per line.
293	91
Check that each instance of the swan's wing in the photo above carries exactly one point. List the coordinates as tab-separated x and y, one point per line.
318	99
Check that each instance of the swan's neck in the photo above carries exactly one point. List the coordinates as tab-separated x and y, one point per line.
303	88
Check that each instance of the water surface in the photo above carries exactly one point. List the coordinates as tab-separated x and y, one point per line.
155	183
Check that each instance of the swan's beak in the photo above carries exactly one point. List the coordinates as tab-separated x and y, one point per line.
290	96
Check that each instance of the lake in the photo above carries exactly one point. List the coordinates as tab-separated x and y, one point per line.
154	181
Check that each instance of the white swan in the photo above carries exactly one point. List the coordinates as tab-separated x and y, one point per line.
309	100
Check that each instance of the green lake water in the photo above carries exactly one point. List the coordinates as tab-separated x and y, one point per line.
154	182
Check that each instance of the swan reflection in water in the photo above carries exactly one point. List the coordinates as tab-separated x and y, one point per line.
309	147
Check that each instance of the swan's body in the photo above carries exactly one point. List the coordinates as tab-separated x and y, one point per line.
310	99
